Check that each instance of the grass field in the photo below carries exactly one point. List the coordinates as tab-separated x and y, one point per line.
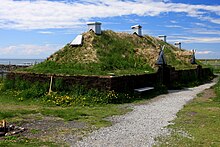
198	123
19	112
212	63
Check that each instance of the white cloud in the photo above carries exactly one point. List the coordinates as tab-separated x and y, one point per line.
45	32
185	39
200	24
29	51
44	14
173	26
213	20
202	39
204	52
205	31
173	21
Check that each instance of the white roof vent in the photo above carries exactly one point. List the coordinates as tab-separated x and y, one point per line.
163	37
137	30
95	26
77	41
178	44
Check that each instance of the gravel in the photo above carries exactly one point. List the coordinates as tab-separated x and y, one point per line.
140	127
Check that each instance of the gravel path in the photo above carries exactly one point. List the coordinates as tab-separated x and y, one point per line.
146	122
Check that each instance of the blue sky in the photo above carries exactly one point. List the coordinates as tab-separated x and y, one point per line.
38	28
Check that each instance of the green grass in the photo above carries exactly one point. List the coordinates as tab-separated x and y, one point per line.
118	53
14	110
212	63
65	95
92	115
12	107
197	124
176	62
87	69
17	141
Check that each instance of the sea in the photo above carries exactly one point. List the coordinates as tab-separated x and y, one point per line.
20	61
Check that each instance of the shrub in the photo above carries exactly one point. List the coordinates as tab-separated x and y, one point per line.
27	89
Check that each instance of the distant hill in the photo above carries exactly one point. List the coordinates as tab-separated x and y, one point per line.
111	52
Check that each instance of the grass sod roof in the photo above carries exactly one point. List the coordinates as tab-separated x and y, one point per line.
111	52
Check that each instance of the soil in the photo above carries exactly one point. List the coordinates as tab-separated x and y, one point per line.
52	128
207	94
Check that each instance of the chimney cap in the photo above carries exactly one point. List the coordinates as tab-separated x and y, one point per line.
93	23
177	43
136	27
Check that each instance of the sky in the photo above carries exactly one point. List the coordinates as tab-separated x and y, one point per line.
34	29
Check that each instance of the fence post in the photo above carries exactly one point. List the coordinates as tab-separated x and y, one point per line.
51	81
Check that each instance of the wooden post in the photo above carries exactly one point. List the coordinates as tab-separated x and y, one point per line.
4	125
51	82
